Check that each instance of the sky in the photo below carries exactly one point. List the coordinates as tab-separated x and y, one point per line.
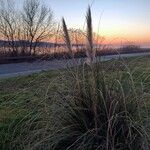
117	20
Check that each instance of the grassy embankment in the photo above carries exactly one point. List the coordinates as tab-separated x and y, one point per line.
26	103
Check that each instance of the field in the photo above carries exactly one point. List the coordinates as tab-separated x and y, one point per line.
26	103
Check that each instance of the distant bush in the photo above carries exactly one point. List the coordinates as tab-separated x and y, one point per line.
129	49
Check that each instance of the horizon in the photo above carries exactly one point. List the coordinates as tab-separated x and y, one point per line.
120	21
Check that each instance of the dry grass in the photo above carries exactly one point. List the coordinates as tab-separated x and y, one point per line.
97	112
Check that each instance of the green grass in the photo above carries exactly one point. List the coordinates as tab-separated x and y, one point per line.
26	102
22	98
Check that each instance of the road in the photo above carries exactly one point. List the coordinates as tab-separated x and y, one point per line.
20	69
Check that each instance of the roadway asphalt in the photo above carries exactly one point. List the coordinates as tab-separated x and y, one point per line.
20	69
25	68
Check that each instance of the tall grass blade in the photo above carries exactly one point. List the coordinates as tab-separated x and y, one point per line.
66	37
89	51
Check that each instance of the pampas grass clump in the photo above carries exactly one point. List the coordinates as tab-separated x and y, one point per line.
96	112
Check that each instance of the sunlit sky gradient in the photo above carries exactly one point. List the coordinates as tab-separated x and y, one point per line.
121	20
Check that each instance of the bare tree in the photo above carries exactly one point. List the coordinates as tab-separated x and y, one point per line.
37	23
8	23
24	29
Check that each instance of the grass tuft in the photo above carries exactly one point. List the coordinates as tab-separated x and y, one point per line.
97	113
